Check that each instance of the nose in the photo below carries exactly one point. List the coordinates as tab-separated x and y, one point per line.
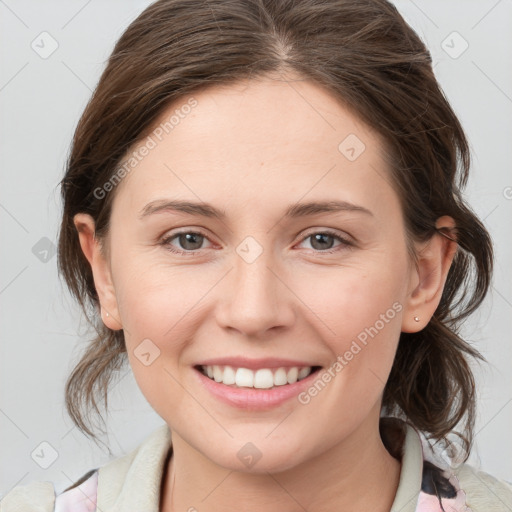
255	298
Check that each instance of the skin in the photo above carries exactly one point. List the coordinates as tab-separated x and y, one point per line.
252	149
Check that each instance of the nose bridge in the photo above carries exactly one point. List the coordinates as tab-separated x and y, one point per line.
256	299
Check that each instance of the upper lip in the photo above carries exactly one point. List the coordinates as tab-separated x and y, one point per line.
255	364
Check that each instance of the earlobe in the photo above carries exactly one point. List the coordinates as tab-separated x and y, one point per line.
429	276
102	275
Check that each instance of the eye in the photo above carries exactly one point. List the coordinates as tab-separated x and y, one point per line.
189	241
322	241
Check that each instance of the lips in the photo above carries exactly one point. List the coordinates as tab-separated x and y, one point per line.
251	398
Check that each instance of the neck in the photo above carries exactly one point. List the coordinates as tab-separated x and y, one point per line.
358	474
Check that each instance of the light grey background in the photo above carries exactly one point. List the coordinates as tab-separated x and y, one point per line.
41	100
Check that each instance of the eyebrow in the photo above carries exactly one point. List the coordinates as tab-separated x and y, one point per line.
207	210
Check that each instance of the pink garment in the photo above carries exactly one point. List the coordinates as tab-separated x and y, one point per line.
79	499
430	502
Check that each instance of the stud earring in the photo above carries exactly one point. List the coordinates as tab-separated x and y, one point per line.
416	319
106	314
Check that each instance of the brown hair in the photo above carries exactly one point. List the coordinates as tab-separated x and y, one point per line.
365	54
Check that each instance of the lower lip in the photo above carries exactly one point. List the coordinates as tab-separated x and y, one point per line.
255	399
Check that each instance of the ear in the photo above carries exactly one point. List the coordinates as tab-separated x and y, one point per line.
102	275
428	277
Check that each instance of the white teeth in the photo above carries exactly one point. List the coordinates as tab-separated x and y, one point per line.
217	374
229	376
280	377
264	378
303	372
244	378
292	375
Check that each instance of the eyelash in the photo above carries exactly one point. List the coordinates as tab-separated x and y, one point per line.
344	242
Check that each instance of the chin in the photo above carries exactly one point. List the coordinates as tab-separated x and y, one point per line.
257	458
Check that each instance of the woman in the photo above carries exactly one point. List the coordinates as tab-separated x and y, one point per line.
263	208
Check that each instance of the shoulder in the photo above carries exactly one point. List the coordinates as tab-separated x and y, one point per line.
33	497
439	482
133	482
108	483
483	491
41	496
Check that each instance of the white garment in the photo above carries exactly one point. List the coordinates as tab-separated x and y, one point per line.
132	483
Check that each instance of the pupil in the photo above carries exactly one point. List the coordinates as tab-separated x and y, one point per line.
188	238
318	238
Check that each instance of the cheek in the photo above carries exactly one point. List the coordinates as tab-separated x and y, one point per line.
160	308
156	301
347	300
358	312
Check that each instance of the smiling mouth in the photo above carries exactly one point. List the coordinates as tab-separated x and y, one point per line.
263	378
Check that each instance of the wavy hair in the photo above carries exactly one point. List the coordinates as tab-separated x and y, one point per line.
365	55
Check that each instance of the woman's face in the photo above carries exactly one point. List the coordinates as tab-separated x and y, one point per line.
267	278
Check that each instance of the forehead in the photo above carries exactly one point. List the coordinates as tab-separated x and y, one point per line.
253	139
